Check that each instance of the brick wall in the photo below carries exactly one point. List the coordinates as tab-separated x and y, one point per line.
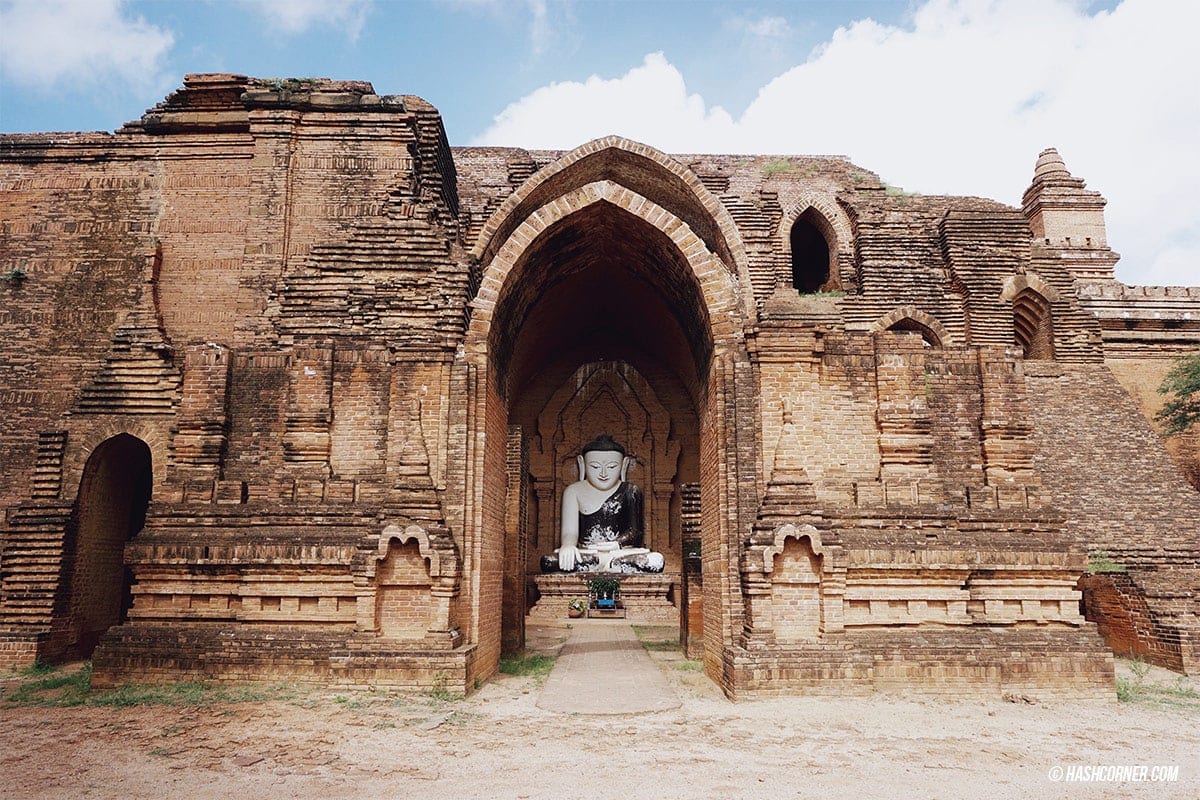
402	603
271	282
110	509
1104	466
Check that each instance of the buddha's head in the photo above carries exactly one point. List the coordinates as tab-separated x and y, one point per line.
603	463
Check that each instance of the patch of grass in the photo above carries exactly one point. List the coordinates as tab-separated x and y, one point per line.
353	704
1137	689
440	692
689	666
54	690
189	693
1101	563
38	668
663	638
527	665
776	167
14	277
75	689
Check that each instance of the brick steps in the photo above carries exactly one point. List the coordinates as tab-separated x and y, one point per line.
138	376
31	562
47	468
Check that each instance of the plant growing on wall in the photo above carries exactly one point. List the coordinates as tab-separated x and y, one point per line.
1101	563
1182	383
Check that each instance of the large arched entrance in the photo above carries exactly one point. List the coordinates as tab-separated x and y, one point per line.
110	509
611	305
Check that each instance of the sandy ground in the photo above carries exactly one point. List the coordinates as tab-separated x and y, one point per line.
321	744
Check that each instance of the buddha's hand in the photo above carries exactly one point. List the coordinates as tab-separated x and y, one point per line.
568	557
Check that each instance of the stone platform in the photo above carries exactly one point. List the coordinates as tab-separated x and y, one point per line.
648	599
149	653
1026	661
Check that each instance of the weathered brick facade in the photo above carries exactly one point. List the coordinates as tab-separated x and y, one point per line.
292	387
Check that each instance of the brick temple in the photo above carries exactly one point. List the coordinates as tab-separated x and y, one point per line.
292	388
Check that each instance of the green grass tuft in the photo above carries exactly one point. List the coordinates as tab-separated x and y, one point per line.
38	668
1137	689
75	689
528	665
1100	563
776	167
54	690
660	638
441	692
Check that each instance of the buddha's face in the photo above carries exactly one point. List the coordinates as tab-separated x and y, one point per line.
602	468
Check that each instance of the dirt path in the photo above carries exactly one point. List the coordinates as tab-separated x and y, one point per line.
499	744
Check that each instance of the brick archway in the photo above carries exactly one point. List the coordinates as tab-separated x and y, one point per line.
94	584
700	277
644	171
912	318
720	292
831	221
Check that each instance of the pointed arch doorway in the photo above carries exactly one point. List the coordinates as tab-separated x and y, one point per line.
95	585
612	304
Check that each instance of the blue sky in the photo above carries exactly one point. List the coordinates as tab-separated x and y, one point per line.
937	96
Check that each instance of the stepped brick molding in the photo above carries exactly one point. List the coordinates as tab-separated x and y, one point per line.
293	388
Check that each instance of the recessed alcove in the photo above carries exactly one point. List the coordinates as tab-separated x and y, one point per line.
1032	326
812	267
114	494
608	335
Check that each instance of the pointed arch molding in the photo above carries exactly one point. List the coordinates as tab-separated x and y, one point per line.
648	183
833	215
727	306
83	439
1030	280
900	313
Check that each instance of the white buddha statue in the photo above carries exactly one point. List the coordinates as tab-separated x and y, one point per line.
602	519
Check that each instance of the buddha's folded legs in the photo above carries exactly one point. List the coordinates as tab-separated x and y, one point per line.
637	562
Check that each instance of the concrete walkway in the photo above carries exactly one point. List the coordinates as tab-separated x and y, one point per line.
603	669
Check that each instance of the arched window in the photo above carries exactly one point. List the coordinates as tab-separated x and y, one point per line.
1032	327
811	263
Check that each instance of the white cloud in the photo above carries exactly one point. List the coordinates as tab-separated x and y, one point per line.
540	32
292	17
649	103
959	100
49	42
761	27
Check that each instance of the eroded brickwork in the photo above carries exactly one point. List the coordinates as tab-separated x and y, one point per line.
359	364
